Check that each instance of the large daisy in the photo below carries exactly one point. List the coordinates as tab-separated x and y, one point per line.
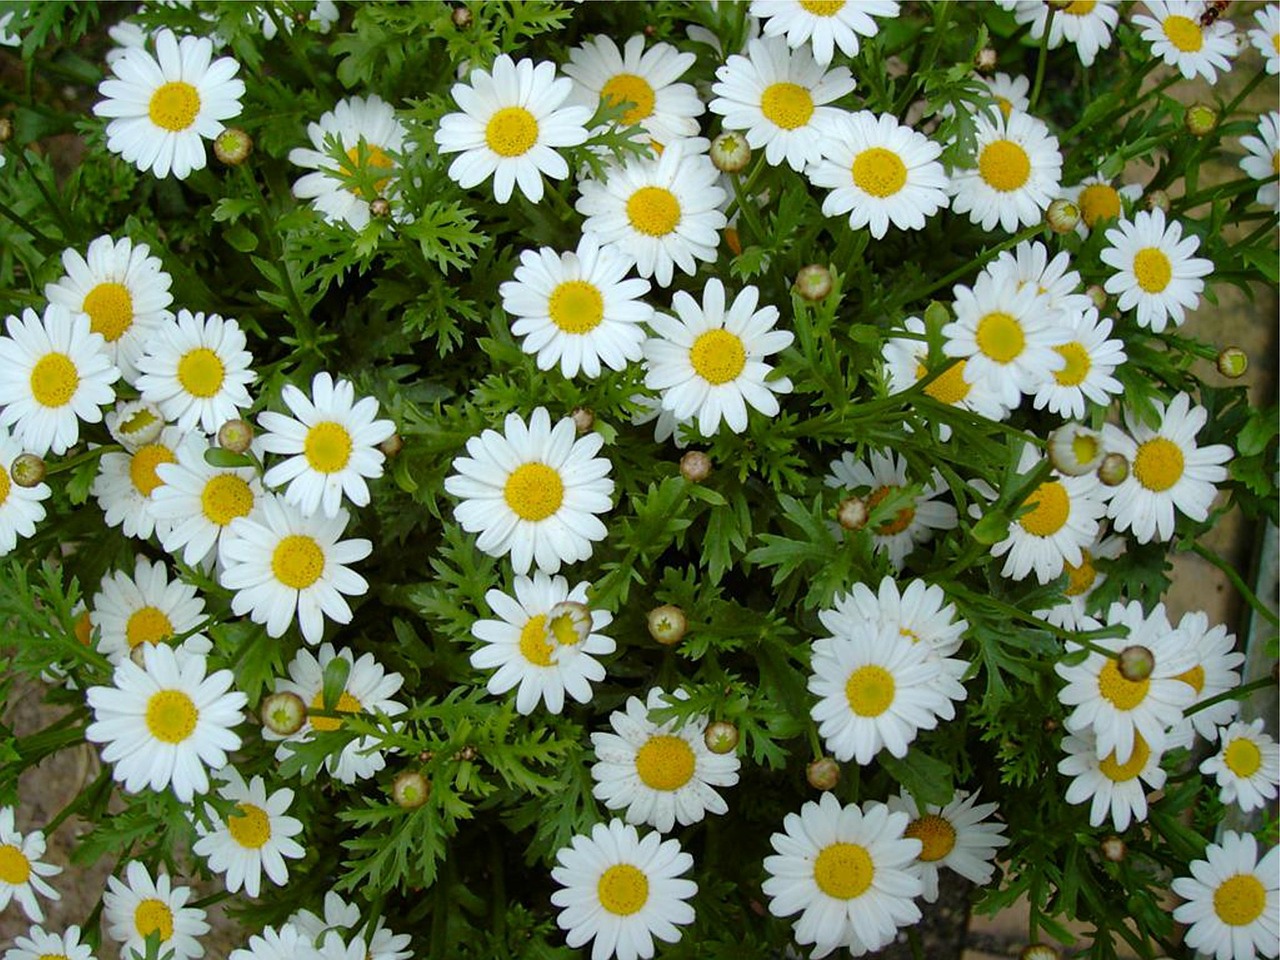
197	501
1179	36
825	24
1113	788
142	906
958	836
1246	766
1016	177
126	482
1085	23
22	872
1156	271
144	609
252	841
20	507
919	612
1233	900
1086	378
1263	159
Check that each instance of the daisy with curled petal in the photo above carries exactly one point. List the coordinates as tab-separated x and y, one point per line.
123	289
133	423
1099	202
824	23
252	841
1168	470
1085	23
198	501
622	891
1156	269
1086	378
847	872
533	491
20	507
1177	35
142	906
512	120
1266	36
147	608
544	642
164	107
21	871
1083	579
709	363
54	373
286	943
1114	789
196	370
953	836
1263	160
1247	766
126	482
38	945
1029	263
1216	670
1018	171
1233	900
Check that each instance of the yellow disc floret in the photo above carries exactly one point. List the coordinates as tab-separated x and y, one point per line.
249	826
534	491
576	306
511	132
653	211
1121	693
1158	464
844	870
718	356
110	310
200	371
327	447
786	105
297	561
870	690
629	88
54	380
665	763
879	172
1000	337
623	889
1240	900
936	835
171	716
1050	509
174	106
1004	165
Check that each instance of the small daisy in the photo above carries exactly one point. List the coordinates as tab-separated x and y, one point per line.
512	120
1247	766
253	840
544	642
38	945
123	290
1266	36
665	425
663	213
1156	271
323	16
533	491
880	172
1017	173
779	96
1083	579
1086	23
622	891
919	613
146	608
142	906
20	507
126	482
953	836
338	914
198	501
196	371
21	871
826	24
164	722
1167	470
351	122
1216	671
1115	789
368	689
1233	900
847	871
660	774
281	565
886	473
287	943
577	309
1086	378
165	107
1009	93
1263	160
1100	202
1029	264
709	363
1177	34
54	373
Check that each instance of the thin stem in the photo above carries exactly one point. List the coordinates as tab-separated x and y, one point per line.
981	260
942	13
1237	581
23	224
1231	188
747	187
68	230
64	465
1043	58
913	939
1236	693
747	205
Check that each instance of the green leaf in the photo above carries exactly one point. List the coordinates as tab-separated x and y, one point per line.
336	672
218	457
926	778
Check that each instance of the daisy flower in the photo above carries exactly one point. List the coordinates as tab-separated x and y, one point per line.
659	773
533	491
1156	271
352	122
253	840
1115	789
919	613
1098	201
709	363
197	501
1086	378
1247	766
1263	160
20	507
622	891
142	906
1085	23
38	945
164	107
282	564
512	120
287	943
544	642
196	370
886	473
665	425
1216	670
1083	579
146	608
21	871
162	723
1233	900
126	482
1266	36
577	309
1017	174
847	871
1168	470
123	290
953	836
368	689
825	24
645	79
880	172
1177	35
338	914
779	96
133	424
1029	264
323	16
54	373
663	213
1009	93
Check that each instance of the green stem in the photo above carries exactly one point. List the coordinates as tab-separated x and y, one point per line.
913	939
981	260
750	212
1236	693
23	224
68	231
1070	135
749	187
1043	59
1237	581
1222	191
65	465
302	324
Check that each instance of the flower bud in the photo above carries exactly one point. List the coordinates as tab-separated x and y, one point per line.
730	153
667	624
235	435
695	466
1113	470
583	420
1049	724
721	736
568	623
134	424
813	282
852	513
1075	450
1233	362
392	445
283	713
380	208
232	146
1098	295
1113	849
6	129
1201	120
27	470
1157	200
823	774
1063	216
410	790
987	60
1135	663
467	754
1039	951
461	17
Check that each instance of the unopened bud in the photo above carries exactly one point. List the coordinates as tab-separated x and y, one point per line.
721	737
1063	216
27	470
1113	849
987	60
1097	295
852	513
410	790
813	282
1039	951
1113	470
1233	362
380	208
235	435
1049	724
1135	663
1075	450
695	466
1201	120
823	774
730	152
392	445
283	713
232	146
461	17
667	624
134	424
6	129
1157	200
467	754
583	420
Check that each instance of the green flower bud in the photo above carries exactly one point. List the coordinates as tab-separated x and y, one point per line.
721	736
235	436
1201	120
695	466
1062	216
730	153
852	513
1113	470
823	774
667	624
232	146
283	713
1135	663
1233	362
27	470
813	282
410	790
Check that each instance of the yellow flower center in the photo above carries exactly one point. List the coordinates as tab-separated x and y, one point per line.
936	834
1084	447
15	868
1121	693
5	485
224	498
870	690
174	106
534	491
1080	579
535	644
511	132
629	88
346	704
54	379
1158	465
576	306
373	157
1121	772
1050	507
171	716
879	172
900	522
153	916
653	211
950	387
297	561
787	105
717	356
327	447
665	763
148	625
1005	106
251	827
1184	33
53	956
1079	8
200	371
1243	758
1240	900
110	310
1152	270
1004	166
1275	42
1000	337
623	889
1194	678
1078	365
823	8
844	870
142	467
1098	201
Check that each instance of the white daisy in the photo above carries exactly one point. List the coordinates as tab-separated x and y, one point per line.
1115	789
533	491
286	943
38	945
1247	766
709	363
340	915
1216	670
665	425
126	482
1083	579
1009	93
880	172
1029	264
22	872
919	613
1263	160
1099	202
659	773
282	564
1086	378
1233	900
512	120
1167	470
351	122
143	906
54	373
123	289
1177	35
164	722
847	871
1086	23
826	24
1017	172
197	501
196	371
146	608
323	16
253	840
577	309
1156	271
953	836
20	507
165	107
1266	36
622	891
